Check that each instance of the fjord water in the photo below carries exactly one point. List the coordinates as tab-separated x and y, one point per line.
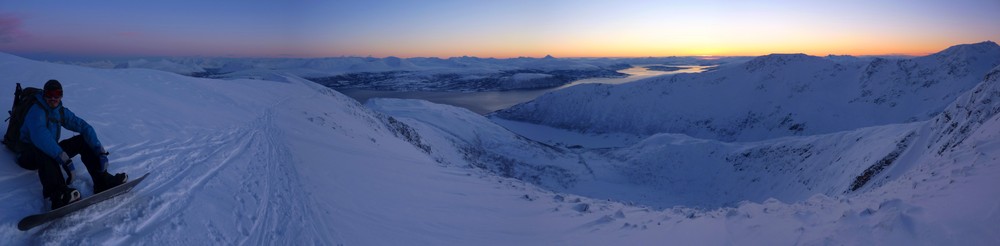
489	101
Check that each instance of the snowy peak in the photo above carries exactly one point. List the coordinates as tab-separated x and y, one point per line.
961	59
392	61
939	77
774	61
985	47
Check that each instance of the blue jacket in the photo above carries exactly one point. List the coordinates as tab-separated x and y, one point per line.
44	133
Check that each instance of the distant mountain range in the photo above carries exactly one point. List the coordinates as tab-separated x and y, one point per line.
405	74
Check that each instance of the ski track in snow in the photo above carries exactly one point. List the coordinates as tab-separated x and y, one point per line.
249	156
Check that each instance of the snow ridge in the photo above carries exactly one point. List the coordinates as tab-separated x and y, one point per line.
777	61
461	136
967	114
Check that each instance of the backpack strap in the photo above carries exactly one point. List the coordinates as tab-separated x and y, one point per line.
62	114
62	122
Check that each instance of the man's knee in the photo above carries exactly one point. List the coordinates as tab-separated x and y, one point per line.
75	145
73	142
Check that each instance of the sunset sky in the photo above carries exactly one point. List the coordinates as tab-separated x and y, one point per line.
313	28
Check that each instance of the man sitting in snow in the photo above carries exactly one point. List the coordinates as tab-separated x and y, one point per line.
42	127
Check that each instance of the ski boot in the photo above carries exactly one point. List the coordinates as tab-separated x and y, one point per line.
68	196
109	181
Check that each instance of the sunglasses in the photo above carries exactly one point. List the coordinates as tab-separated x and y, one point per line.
54	94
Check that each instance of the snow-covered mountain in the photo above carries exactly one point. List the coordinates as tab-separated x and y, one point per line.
287	161
770	96
887	184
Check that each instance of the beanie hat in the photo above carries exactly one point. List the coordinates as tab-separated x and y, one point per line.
53	89
52	85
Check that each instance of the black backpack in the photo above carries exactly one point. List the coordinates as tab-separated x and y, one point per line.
23	100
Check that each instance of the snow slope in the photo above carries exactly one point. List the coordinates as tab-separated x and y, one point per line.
893	184
271	162
255	162
287	161
770	96
661	171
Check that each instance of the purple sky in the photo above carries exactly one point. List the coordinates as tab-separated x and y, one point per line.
563	28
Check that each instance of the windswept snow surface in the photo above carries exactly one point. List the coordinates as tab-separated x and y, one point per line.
287	161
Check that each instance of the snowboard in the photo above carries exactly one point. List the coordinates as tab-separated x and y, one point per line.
39	219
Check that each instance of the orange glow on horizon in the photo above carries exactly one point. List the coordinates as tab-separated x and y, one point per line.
502	29
663	51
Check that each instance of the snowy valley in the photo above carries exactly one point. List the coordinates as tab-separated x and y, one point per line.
777	150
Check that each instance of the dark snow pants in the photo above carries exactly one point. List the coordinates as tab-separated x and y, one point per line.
50	170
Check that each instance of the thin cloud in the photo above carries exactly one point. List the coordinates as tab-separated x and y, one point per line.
10	28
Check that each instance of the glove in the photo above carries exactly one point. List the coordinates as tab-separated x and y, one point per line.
67	165
103	156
